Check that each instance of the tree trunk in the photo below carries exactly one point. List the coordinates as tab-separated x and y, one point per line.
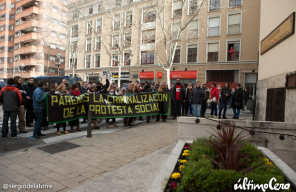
119	74
168	77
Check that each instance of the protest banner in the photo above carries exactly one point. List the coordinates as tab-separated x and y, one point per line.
67	108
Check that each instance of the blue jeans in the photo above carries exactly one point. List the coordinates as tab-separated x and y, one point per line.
214	108
196	109
236	112
38	121
230	101
223	104
12	115
191	109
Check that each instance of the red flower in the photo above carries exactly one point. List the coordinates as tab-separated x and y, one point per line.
187	147
174	185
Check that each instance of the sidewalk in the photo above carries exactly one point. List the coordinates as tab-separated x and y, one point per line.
93	158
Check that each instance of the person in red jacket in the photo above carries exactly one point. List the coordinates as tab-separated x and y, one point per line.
214	93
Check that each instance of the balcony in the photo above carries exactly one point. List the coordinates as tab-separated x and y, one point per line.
27	37
26	24
25	3
28	50
30	61
234	56
26	12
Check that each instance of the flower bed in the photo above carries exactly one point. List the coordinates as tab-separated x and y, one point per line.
199	168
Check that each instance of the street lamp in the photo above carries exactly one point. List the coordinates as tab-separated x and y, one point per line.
58	63
22	67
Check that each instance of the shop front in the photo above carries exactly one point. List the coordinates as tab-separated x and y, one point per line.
124	78
184	76
220	77
147	76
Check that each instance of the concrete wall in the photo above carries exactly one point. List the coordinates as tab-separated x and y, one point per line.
188	129
281	58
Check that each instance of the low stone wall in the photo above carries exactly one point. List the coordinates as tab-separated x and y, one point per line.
188	129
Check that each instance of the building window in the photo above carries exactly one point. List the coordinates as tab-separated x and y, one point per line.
193	7
75	15
213	52
17	34
129	19
148	36
16	58
62	48
2	28
11	38
129	1
1	39
175	28
234	23
233	48
193	29
16	46
90	10
87	61
127	58
117	3
88	45
17	11
147	57
97	60
53	46
52	58
1	49
17	22
115	60
89	29
63	36
63	25
74	31
2	7
149	16
116	22
214	5
12	6
10	49
177	56
2	17
98	43
235	3
115	41
214	26
177	5
99	8
54	34
54	22
11	27
192	53
55	9
99	25
16	69
128	39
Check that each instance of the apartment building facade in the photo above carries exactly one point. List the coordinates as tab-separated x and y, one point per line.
219	45
32	32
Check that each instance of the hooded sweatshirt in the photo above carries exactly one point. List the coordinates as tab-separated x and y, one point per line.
11	98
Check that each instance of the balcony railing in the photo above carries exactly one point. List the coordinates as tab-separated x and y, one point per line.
192	58
214	31
234	29
213	56
234	56
27	12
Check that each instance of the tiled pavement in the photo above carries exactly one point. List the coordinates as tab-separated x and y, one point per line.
97	155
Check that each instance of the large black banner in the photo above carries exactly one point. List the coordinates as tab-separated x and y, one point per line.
67	108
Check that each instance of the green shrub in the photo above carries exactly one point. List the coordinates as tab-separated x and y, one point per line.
201	175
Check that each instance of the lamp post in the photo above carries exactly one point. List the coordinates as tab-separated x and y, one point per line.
58	63
22	67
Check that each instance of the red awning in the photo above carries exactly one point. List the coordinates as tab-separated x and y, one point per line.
183	74
146	75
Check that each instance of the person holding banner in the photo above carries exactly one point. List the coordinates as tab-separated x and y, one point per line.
62	90
92	89
162	88
100	88
74	92
147	89
129	91
112	91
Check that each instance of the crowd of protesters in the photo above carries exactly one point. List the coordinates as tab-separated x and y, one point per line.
27	102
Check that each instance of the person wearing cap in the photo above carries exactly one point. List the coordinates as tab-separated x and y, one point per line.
237	101
100	88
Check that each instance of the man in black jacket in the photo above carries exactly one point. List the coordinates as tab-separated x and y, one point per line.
177	95
197	96
84	88
29	88
100	88
225	95
21	109
186	105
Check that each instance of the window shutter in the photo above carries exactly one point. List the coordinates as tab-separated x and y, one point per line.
234	19
177	5
192	46
213	47
214	22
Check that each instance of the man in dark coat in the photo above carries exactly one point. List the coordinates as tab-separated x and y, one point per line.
186	105
237	101
21	109
100	88
29	88
84	88
204	104
197	96
225	95
177	95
